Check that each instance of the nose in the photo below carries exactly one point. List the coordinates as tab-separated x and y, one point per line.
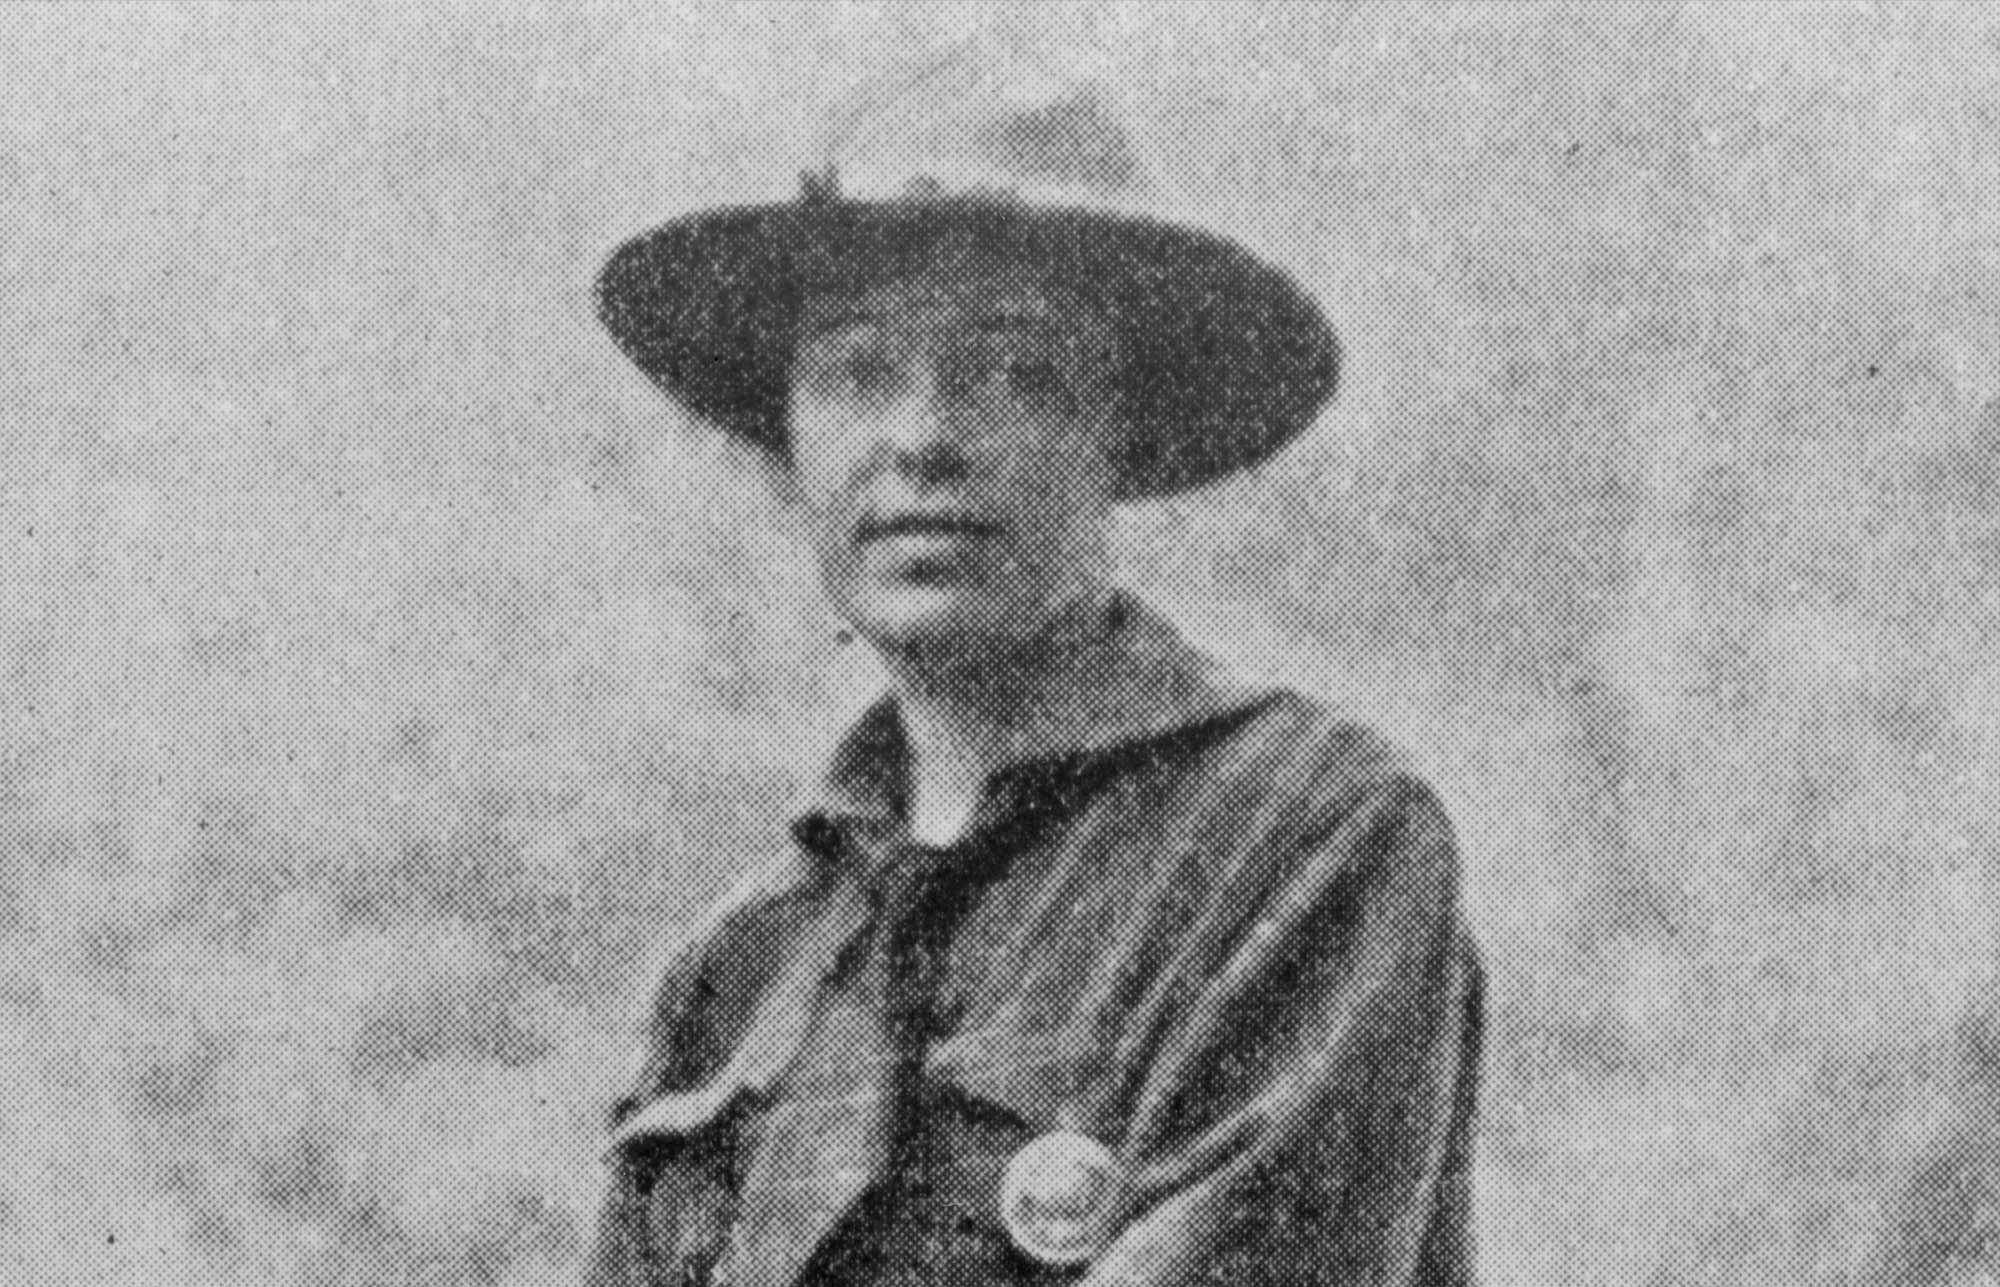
919	436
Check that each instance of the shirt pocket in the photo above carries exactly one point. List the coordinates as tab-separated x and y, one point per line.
993	1094
675	1159
683	1149
1034	1077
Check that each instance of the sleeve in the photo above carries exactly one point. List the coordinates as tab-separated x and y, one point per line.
1307	1121
665	1204
632	1246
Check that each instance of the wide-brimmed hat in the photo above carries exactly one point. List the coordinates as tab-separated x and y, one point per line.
1224	358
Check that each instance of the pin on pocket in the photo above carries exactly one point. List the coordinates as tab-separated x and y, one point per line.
1057	1197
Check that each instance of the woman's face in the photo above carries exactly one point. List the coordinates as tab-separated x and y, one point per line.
950	444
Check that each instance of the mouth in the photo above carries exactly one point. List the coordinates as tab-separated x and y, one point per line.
942	527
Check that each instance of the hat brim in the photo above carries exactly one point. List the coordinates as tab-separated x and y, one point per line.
1224	358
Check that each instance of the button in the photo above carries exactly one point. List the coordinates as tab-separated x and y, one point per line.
1058	1196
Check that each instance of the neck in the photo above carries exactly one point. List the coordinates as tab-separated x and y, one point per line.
975	711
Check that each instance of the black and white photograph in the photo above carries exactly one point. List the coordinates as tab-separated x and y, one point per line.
1130	643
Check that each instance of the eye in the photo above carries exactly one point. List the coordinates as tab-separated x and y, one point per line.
868	373
1002	371
852	373
1033	376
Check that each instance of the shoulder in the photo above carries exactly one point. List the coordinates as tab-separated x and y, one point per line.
729	1010
718	967
1319	760
748	908
1327	802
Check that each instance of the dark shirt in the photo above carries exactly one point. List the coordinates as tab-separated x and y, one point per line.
1223	939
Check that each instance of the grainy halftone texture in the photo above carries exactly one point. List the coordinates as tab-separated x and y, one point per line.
1230	949
386	672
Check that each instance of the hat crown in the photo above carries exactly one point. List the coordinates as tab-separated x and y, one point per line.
991	118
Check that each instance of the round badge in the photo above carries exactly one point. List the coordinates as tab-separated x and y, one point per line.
1057	1196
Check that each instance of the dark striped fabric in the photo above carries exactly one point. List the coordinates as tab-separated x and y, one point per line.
1229	949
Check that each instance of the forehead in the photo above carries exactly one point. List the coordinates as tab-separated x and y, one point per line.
954	296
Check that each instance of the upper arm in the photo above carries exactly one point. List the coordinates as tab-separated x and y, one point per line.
707	990
665	1193
1300	1116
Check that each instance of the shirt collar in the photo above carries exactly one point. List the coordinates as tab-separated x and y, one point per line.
1145	682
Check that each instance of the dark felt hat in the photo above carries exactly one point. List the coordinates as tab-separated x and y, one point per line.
1224	357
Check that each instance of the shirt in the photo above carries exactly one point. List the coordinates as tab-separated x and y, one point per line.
1214	929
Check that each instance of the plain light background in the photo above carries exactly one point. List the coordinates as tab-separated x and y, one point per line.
385	670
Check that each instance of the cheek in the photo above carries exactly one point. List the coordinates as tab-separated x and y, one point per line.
815	486
1076	474
822	451
1073	458
1060	487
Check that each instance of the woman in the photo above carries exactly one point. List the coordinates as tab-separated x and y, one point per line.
1088	962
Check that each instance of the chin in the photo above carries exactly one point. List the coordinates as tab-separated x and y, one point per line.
939	622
